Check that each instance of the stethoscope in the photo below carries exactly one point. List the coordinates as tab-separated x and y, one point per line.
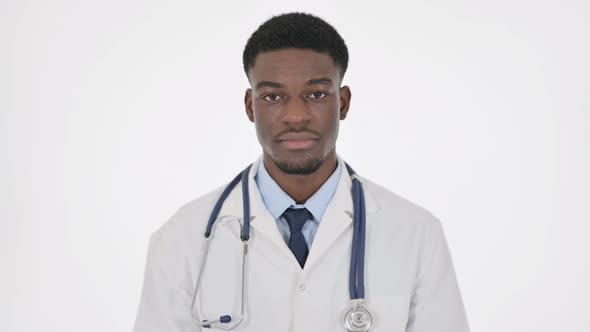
358	318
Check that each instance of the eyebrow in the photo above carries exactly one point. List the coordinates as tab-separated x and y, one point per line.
322	80
313	81
270	84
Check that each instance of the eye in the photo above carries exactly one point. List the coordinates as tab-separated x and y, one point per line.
272	97
318	95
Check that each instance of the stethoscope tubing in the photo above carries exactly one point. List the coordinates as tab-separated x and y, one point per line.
357	257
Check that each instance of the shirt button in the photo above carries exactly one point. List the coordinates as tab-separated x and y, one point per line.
302	287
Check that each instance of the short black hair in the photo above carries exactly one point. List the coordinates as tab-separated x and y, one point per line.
296	30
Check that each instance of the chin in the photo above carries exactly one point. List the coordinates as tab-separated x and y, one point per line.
305	167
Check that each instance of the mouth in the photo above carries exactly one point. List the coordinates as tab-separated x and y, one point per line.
297	144
297	141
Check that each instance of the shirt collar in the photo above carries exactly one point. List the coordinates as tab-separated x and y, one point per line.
277	200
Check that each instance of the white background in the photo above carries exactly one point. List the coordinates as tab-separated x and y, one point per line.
113	114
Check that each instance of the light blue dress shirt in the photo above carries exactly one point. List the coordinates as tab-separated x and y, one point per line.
277	201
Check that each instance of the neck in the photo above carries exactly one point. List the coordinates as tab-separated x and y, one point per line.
302	187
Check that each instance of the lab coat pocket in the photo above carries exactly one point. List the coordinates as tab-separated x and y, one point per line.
389	312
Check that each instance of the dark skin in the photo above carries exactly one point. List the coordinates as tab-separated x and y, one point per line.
296	103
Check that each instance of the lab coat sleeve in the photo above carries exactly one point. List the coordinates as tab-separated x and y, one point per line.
164	304
436	303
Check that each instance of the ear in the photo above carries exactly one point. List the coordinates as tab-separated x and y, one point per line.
248	104
344	101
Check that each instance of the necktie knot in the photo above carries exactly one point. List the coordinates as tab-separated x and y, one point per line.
296	218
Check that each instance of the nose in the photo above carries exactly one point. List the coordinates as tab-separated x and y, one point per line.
297	111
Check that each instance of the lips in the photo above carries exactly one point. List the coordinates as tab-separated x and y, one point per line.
298	141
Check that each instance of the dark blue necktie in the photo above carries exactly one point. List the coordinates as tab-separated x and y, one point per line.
296	218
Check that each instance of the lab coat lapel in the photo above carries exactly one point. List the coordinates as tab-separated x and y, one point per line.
263	225
264	228
335	221
338	218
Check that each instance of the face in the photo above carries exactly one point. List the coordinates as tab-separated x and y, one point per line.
296	103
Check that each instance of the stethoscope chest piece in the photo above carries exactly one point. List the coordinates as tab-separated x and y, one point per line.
358	319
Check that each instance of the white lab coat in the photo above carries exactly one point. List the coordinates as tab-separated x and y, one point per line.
410	283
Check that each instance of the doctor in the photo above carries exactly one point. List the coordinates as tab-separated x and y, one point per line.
293	272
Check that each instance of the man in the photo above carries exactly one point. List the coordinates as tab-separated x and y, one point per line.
296	274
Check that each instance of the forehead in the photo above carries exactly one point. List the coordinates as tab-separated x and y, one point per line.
292	64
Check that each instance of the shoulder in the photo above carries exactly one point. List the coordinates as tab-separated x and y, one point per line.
173	245
185	228
408	223
400	211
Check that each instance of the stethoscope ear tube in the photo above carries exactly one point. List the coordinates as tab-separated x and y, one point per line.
357	257
220	201
361	246
357	319
352	286
246	202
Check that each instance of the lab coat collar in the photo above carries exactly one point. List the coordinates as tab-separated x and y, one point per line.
337	217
